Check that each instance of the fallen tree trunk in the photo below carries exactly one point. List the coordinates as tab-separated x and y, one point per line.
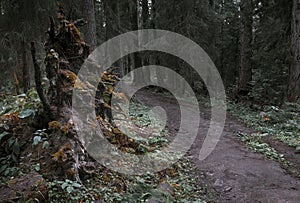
65	54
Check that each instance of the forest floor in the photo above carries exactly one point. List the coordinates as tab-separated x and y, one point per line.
233	171
256	159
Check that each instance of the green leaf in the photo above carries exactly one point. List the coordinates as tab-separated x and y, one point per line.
14	158
32	94
64	185
146	196
6	109
11	142
77	185
16	148
22	95
69	189
6	172
46	145
3	168
26	113
298	150
36	140
142	148
5	126
2	135
37	167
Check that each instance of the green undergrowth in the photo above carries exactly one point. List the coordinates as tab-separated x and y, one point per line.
24	104
15	113
279	123
255	142
179	183
114	187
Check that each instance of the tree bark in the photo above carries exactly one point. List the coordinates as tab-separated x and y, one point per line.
25	71
111	20
155	59
138	77
145	20
245	72
38	83
65	53
112	11
294	72
91	33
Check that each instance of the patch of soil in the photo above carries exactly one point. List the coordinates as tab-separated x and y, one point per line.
234	171
30	186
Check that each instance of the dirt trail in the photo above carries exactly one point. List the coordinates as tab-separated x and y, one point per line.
236	173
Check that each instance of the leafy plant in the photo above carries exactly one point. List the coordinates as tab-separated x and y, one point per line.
25	104
68	191
255	143
140	191
70	186
11	149
12	109
280	123
41	136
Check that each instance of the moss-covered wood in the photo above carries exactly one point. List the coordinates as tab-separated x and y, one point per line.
65	54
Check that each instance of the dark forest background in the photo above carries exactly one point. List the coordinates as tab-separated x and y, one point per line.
254	43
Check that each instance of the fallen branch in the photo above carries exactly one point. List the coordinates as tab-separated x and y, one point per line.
38	83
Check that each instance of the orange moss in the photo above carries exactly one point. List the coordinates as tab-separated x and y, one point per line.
54	125
61	155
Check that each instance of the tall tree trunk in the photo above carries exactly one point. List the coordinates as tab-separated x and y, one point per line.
245	46
138	77
112	11
91	33
145	20
294	73
160	75
25	72
221	62
100	21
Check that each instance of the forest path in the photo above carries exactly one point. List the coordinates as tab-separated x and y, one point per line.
232	170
